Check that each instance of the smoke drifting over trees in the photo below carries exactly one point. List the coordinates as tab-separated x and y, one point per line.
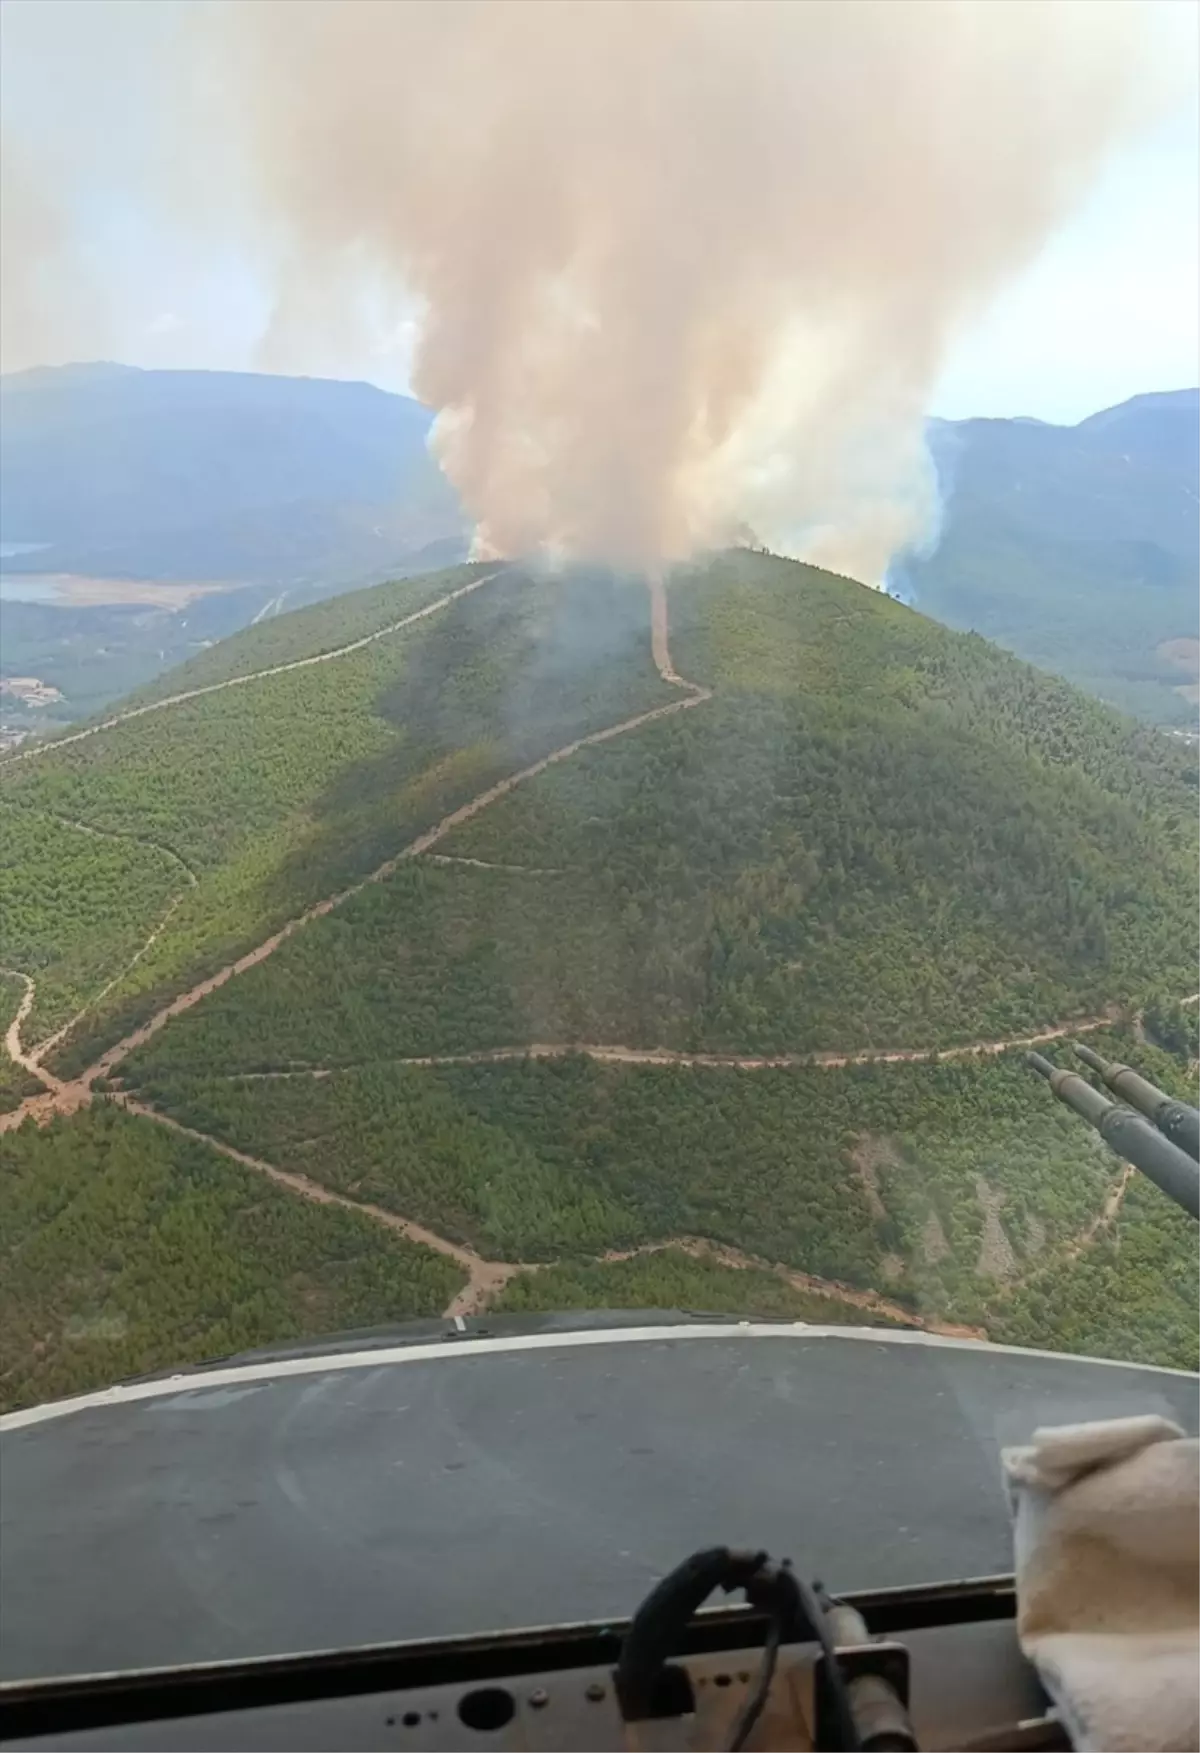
682	269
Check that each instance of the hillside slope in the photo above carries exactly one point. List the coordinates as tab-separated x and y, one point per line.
1077	547
274	794
671	937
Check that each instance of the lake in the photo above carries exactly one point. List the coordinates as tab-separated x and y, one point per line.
72	590
27	587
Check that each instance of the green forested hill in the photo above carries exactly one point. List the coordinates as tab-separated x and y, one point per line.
874	834
325	627
125	1248
277	793
75	907
850	830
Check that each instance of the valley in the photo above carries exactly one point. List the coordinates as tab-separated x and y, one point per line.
625	1031
1075	546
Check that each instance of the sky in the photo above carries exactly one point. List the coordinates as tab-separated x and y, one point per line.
1108	310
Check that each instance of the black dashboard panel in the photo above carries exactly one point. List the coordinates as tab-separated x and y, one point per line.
490	1478
966	1680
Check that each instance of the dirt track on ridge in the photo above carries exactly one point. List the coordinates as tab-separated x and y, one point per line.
486	1278
280	669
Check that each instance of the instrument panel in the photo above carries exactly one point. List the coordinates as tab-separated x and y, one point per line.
969	1687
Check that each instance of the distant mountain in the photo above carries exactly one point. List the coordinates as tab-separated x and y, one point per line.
214	475
1077	546
279	490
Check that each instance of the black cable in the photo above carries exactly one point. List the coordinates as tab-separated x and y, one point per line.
659	1625
795	1612
752	1709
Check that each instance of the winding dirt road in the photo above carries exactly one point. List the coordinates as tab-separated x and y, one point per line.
484	1278
487	1278
280	669
12	1038
700	1248
31	1058
77	1091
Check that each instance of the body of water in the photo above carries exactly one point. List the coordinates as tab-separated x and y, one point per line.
14	588
28	587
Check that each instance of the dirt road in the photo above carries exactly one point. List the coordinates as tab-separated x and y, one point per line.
615	1054
869	1300
279	669
660	641
486	864
1107	1212
486	1278
109	1060
12	1038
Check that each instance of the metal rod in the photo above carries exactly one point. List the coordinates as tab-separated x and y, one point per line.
1174	1119
1128	1134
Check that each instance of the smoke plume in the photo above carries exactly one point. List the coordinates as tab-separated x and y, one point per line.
682	268
43	300
686	267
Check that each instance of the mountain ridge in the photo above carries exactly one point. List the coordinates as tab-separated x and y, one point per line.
273	492
509	835
1077	547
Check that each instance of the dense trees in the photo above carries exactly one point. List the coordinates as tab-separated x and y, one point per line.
1175	1027
549	1159
1131	1294
74	908
282	792
1133	1291
761	875
324	626
125	1248
672	1279
15	1082
945	1185
875	833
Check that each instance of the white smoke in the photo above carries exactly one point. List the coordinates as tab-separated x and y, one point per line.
680	267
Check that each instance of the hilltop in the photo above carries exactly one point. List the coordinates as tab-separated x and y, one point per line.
548	921
231	496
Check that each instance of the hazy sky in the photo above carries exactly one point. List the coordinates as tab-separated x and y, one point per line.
1109	309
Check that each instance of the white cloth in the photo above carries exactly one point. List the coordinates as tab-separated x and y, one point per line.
1107	1559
